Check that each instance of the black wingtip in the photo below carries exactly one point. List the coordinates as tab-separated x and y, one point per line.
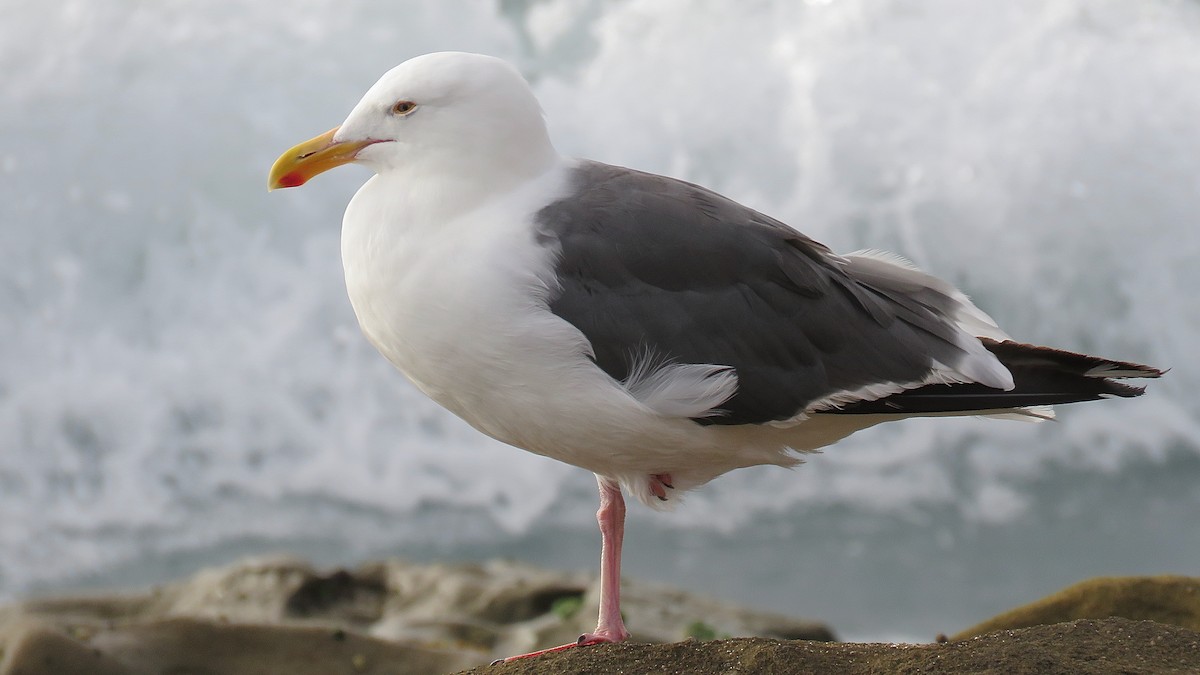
1042	376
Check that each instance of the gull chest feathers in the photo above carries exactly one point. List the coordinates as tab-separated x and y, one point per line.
422	272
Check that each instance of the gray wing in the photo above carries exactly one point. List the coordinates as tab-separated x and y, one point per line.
649	265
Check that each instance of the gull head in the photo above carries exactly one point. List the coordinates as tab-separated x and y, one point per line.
443	114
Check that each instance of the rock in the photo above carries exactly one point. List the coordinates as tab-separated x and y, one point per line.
1110	646
201	646
34	648
397	618
1171	600
385	617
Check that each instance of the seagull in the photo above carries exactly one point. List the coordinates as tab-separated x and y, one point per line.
640	327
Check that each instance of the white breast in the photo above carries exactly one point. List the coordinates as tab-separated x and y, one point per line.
460	305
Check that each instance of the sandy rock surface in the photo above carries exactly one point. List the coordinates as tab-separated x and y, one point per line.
1107	647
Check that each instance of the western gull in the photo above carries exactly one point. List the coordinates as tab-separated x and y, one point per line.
643	328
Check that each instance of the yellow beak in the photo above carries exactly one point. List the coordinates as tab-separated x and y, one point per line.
296	166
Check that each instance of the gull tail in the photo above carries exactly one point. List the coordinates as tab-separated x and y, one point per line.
1042	376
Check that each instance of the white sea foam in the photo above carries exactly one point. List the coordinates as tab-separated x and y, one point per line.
180	369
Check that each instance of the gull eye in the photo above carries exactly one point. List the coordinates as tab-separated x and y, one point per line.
403	107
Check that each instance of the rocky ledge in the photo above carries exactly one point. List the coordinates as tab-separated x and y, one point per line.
281	615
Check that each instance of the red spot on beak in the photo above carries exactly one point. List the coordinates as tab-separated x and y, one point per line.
292	179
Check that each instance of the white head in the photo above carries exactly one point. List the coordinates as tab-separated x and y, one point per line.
449	114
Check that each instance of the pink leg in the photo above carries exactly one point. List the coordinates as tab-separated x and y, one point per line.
611	517
610	627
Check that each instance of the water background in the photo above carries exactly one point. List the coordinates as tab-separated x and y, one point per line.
182	381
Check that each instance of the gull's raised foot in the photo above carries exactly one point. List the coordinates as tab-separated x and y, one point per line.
659	484
585	640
